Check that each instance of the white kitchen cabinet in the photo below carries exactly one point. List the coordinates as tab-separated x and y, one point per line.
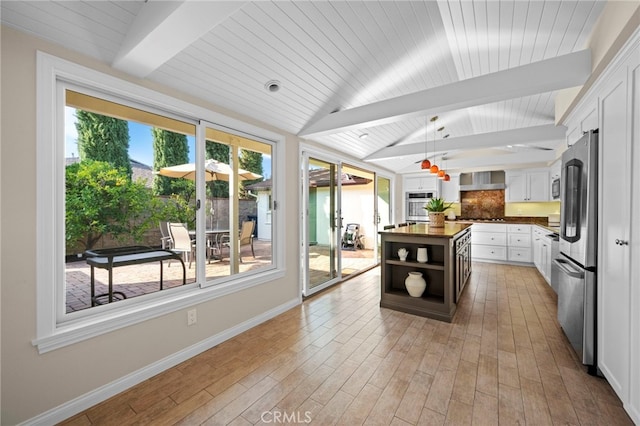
634	370
501	242
489	241
420	183
542	251
450	191
527	185
614	289
519	243
536	248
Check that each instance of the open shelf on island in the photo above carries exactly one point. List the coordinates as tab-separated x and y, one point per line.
429	265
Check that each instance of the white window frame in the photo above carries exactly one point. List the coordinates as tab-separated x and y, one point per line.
56	330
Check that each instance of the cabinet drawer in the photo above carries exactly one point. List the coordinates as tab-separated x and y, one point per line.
520	240
489	238
489	227
517	254
519	229
488	252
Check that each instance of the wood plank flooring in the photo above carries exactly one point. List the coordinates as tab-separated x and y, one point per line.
341	359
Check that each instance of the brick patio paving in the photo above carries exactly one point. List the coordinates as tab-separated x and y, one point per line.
137	280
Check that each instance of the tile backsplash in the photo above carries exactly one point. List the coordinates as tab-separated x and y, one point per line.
482	204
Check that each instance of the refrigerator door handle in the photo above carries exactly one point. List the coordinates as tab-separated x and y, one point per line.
568	269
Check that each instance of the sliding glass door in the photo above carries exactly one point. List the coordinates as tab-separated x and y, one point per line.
383	206
321	223
341	207
358	232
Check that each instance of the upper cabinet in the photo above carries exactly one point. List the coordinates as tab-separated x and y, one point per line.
527	185
420	183
450	191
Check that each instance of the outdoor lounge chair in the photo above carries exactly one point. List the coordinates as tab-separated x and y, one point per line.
182	242
246	237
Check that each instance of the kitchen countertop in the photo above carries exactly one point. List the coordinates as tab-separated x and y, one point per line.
449	230
512	220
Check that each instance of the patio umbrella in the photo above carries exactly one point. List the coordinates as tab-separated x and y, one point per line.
213	170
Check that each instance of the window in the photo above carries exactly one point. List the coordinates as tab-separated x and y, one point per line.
117	222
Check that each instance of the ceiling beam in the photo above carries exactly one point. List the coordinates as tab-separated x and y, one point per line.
162	29
532	158
539	77
543	133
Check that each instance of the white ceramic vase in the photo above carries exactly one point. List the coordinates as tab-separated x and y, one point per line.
415	284
422	255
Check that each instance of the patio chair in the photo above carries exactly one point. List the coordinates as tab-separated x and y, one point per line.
182	242
245	239
165	238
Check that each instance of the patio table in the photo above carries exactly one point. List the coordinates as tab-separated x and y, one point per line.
122	256
213	236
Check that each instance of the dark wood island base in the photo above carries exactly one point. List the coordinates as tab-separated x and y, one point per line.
446	271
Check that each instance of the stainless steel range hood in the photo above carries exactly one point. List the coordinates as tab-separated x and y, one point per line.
482	181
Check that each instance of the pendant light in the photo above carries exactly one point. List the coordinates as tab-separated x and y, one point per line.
426	164
434	168
441	172
446	177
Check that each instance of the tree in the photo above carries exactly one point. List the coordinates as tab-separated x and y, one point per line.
101	200
170	149
103	138
220	152
251	161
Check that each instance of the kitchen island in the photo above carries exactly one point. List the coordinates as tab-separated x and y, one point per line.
446	271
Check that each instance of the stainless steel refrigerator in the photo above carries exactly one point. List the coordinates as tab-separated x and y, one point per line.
576	264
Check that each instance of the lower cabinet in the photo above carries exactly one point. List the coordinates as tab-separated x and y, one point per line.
489	241
519	243
502	242
542	252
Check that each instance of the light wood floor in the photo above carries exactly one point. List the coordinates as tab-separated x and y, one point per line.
340	359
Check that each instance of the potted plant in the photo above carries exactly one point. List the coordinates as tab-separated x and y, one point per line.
436	208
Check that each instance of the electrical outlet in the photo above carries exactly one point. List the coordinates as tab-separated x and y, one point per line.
192	317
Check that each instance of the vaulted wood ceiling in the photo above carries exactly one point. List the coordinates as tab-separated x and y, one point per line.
489	69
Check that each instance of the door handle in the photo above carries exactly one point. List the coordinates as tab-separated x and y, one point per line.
567	269
622	242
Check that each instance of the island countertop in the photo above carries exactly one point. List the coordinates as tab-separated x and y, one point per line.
422	229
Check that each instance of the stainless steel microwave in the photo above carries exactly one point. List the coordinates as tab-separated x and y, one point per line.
555	189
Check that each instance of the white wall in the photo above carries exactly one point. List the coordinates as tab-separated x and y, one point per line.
33	384
357	207
264	216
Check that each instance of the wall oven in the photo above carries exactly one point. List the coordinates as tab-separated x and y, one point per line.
576	263
414	206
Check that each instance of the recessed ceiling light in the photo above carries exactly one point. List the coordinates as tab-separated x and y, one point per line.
364	136
272	86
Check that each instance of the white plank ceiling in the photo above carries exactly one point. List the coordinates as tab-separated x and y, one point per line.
342	57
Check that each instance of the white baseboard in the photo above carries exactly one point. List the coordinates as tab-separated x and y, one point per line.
88	400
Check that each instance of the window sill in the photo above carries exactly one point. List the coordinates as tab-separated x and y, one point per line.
76	331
